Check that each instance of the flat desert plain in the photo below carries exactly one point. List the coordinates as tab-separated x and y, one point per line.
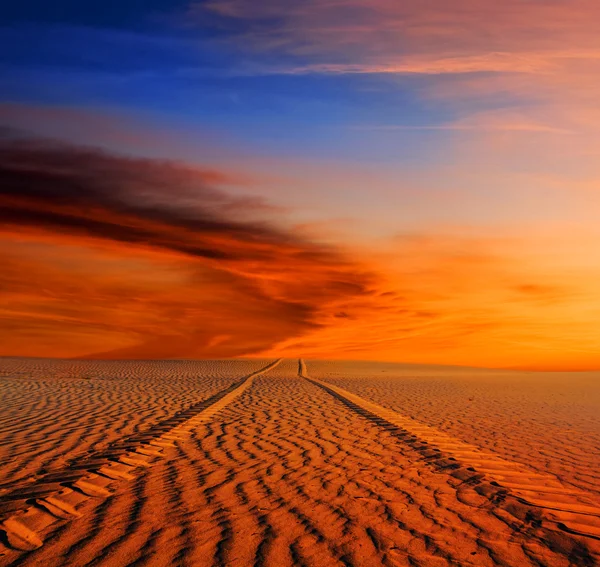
293	462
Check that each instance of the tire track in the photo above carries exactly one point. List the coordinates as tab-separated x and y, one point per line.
510	484
548	422
28	510
298	479
54	411
289	476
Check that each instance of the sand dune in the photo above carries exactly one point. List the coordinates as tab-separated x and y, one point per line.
271	469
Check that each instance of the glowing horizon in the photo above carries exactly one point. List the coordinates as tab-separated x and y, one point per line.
355	180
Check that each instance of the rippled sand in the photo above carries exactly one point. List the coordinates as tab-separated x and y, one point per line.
56	410
549	421
280	469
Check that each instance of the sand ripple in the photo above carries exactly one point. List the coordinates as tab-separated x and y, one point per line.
57	410
288	474
547	421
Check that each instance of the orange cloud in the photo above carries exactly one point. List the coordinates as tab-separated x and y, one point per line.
466	300
154	256
115	257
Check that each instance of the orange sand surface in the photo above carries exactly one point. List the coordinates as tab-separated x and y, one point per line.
268	463
548	421
56	410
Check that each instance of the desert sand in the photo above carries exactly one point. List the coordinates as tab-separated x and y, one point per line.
276	463
549	421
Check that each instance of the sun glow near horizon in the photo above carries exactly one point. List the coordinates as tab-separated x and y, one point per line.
369	180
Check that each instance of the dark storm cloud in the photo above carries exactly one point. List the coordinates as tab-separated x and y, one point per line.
243	286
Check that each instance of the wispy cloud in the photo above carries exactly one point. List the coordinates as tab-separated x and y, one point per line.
431	37
518	50
471	300
225	276
498	62
461	127
121	257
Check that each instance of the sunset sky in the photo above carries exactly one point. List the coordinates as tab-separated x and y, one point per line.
409	181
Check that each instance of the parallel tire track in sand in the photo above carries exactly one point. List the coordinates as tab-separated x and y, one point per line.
36	506
289	475
568	509
56	411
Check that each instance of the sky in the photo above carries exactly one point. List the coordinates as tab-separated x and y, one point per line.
356	179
